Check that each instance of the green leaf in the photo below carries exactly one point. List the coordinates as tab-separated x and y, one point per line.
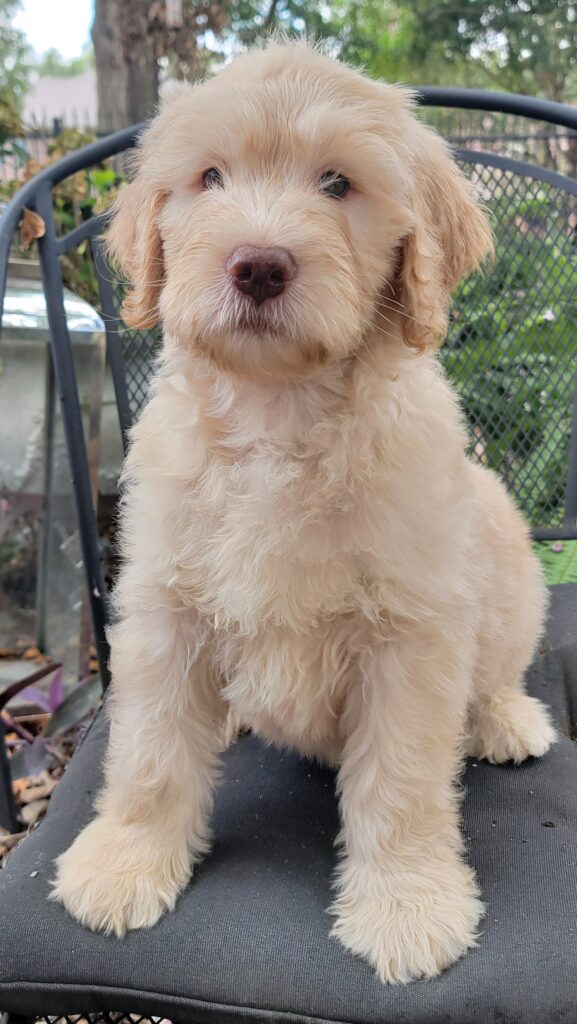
103	178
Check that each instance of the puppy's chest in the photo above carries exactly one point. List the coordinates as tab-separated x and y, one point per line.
290	687
267	538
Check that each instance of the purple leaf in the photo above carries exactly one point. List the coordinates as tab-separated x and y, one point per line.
56	690
85	696
16	688
36	696
48	701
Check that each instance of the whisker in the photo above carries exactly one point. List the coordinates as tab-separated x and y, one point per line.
400	312
369	323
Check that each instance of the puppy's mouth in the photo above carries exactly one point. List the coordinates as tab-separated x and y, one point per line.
249	318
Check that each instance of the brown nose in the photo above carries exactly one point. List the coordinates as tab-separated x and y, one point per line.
262	273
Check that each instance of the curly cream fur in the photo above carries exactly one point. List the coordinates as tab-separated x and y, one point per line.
305	544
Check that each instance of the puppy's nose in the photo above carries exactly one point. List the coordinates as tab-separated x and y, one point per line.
262	273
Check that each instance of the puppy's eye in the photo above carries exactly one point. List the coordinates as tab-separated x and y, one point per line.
212	178
334	184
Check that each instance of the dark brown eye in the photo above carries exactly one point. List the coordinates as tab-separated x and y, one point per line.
334	184
212	178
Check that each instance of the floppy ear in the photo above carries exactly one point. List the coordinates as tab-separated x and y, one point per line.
450	237
134	243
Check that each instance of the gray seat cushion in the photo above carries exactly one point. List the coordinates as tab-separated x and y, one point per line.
249	938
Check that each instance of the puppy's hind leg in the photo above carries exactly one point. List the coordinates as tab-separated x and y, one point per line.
130	863
504	722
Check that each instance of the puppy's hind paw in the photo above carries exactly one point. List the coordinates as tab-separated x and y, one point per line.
509	726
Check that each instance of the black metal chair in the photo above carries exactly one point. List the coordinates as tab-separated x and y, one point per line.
249	938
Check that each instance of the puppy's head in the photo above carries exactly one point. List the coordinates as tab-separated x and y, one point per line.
287	209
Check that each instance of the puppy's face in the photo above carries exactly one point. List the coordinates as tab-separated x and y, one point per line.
286	209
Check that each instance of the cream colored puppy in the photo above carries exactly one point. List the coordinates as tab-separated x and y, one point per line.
304	540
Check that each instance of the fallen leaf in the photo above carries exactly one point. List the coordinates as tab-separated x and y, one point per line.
19	784
32	227
7	842
33	653
30	813
41	792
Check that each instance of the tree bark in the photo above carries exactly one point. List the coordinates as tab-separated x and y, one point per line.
130	37
137	24
126	60
111	66
142	92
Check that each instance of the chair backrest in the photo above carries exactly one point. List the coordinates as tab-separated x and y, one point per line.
512	344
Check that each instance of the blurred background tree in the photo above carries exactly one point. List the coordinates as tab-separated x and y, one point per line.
14	79
519	45
54	64
525	46
135	39
15	57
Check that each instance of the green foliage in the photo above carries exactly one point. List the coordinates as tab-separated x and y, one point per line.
86	193
512	347
11	129
76	199
15	55
525	45
14	75
54	64
519	45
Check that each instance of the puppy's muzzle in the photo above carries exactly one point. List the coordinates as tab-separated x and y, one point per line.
260	272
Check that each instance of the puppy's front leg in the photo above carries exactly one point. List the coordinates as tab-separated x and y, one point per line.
406	900
131	862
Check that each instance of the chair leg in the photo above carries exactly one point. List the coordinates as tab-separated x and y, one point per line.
8	815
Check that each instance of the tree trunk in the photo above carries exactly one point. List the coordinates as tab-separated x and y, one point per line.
126	59
137	28
142	95
111	66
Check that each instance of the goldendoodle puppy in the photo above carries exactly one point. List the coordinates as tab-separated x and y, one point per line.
305	543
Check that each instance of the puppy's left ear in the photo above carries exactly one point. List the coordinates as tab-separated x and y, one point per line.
450	237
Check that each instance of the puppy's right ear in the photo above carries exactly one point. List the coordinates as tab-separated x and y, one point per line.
134	243
133	237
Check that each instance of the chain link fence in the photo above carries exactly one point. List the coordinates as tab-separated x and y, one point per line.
512	343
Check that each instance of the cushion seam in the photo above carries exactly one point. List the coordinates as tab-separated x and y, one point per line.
193	1002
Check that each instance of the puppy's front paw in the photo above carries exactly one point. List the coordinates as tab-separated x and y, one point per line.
114	878
409	925
509	726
